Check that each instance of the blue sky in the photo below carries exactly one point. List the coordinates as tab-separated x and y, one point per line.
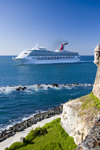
24	23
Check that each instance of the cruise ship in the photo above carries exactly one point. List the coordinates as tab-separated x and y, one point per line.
40	55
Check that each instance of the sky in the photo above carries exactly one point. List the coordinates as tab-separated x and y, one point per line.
24	23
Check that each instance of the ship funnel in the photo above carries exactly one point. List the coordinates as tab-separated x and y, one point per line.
62	45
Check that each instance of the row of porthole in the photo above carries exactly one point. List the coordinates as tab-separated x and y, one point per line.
53	57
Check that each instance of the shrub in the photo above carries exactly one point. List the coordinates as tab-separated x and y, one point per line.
16	145
34	133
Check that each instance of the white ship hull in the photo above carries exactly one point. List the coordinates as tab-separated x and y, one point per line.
45	61
43	56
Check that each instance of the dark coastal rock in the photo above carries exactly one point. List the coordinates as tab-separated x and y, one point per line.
48	87
23	88
76	83
29	122
20	88
92	140
55	85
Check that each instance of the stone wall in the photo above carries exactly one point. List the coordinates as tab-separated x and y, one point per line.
77	121
71	121
92	140
96	88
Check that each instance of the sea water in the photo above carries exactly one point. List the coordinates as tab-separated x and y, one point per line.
40	95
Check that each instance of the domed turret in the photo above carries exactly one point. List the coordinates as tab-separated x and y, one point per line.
97	54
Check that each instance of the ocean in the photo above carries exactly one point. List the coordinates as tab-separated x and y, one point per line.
40	95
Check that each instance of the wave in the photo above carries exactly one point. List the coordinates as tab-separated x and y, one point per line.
86	61
36	87
13	122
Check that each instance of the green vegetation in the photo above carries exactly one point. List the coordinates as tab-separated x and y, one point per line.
51	146
90	101
50	137
96	101
34	133
90	107
15	146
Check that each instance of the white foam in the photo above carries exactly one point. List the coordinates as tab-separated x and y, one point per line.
74	94
37	87
68	87
25	118
86	61
7	89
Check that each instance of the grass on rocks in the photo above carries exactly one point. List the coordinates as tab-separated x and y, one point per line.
90	101
50	137
90	106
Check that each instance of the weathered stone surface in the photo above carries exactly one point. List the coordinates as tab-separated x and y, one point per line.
96	88
72	123
92	140
76	121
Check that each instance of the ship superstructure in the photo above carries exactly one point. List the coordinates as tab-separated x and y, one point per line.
40	55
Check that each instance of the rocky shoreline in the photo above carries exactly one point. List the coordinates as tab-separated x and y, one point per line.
29	122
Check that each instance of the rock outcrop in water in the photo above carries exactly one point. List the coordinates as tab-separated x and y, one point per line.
35	87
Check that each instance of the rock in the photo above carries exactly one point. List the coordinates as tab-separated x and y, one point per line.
2	139
48	87
23	88
19	88
22	139
92	140
55	85
6	148
76	83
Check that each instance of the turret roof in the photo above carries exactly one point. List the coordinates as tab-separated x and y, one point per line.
97	48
